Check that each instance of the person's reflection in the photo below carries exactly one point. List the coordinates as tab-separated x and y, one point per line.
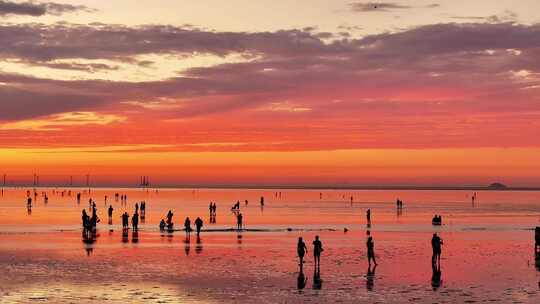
317	281
89	238
135	236
198	247
143	219
370	277
110	221
301	280
239	239
187	247
124	236
29	210
436	276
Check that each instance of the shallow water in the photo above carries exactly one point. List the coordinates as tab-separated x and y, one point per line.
487	257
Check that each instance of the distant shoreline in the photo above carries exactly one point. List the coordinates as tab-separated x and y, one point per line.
290	187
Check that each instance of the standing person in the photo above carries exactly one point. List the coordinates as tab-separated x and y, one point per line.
198	225
211	209
214	209
125	220
370	249
301	249
110	211
239	219
436	243
143	208
368	217
136	207
262	201
317	249
135	221
187	226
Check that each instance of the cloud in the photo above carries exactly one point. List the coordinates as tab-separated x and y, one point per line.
426	78
376	6
36	9
58	121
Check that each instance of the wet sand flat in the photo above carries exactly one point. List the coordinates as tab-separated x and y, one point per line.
487	256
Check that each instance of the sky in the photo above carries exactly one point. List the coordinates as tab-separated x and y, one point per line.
336	93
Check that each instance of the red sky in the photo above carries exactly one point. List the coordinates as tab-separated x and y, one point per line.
414	92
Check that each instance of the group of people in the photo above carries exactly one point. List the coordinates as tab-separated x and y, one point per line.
89	223
167	223
399	204
437	220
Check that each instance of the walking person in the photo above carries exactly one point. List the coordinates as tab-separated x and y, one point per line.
198	225
317	250
301	249
436	243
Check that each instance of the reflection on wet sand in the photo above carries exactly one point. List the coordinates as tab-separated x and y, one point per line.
436	276
301	280
370	277
317	281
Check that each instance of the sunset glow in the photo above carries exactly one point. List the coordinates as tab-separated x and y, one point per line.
262	93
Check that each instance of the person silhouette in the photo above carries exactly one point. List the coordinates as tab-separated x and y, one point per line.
317	250
198	225
370	249
368	217
436	276
111	209
301	249
162	225
436	243
125	221
187	227
135	221
239	219
370	277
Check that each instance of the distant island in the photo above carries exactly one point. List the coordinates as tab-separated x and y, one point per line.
497	186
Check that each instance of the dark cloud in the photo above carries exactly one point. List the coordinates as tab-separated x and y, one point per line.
36	9
434	60
376	6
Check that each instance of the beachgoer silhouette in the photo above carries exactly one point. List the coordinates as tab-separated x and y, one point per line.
162	225
301	249
239	219
370	249
368	217
262	201
169	220
198	225
125	221
135	221
111	209
317	250
436	243
187	227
